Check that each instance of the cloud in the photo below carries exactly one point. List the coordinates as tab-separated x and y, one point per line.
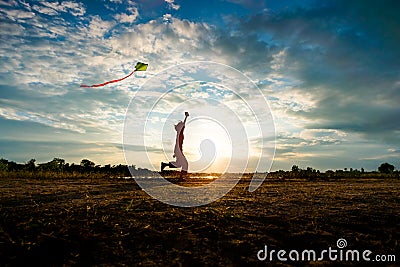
128	17
172	5
16	15
74	8
167	18
44	151
45	10
330	71
99	27
9	3
336	56
45	119
141	148
164	42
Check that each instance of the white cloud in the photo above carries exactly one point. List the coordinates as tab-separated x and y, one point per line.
45	119
172	5
8	3
45	10
167	17
327	136
291	99
129	17
279	60
74	8
166	44
10	29
17	14
99	27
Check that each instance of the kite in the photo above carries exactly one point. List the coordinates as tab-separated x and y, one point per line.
139	67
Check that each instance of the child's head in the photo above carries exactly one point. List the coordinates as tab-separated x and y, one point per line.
179	126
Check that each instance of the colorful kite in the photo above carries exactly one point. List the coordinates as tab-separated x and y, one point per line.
139	67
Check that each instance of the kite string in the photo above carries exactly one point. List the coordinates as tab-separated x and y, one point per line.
105	83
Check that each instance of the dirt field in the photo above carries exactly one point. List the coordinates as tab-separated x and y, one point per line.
113	222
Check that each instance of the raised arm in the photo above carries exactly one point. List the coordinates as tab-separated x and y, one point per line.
186	115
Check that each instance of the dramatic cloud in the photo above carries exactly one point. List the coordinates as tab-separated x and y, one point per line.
329	70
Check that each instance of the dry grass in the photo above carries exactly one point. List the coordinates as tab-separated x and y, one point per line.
113	222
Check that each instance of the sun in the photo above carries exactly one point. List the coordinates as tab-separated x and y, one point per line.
208	146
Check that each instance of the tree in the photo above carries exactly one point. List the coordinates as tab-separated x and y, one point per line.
3	164
310	170
295	168
55	165
386	168
87	164
30	165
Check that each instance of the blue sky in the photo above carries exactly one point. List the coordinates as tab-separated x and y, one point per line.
329	70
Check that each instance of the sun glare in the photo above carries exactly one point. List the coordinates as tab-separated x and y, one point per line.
209	147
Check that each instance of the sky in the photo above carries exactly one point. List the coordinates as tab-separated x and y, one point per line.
330	71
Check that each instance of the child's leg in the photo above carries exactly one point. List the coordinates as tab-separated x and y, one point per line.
171	165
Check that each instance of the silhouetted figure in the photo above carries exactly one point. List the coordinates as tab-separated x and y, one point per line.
181	161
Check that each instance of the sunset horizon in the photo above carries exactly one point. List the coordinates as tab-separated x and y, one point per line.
327	71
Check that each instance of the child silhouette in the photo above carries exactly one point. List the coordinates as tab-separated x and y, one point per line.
181	161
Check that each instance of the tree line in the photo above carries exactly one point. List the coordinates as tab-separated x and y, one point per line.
385	170
59	168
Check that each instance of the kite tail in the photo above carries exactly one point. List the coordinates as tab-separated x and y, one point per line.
105	83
